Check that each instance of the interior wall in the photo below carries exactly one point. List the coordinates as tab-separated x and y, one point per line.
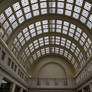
52	70
53	67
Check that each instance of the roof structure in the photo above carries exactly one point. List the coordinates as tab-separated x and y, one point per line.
37	28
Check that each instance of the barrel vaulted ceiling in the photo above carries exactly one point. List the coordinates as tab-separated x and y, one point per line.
37	28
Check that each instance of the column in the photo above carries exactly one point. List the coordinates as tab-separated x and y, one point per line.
21	90
90	86
82	90
1	78
13	87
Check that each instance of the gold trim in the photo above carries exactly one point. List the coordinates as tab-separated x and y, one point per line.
88	60
26	71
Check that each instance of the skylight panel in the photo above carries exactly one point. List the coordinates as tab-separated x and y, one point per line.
65	27
38	23
69	6
76	38
75	15
6	25
33	1
47	50
9	31
87	6
81	43
59	22
28	16
73	60
42	0
21	19
66	24
36	13
38	28
24	2
61	51
38	53
25	30
89	24
15	41
19	35
84	35
65	53
19	13
52	49
45	30
90	18
79	30
85	13
45	21
12	19
8	11
23	42
67	12
52	4
89	41
16	6
26	34
21	39
60	4
45	26
70	1
58	26
52	10
33	34
69	56
73	26
43	5
65	31
2	18
31	26
72	31
27	38
77	9
79	2
35	6
43	11
83	19
83	39
43	51
56	50
34	56
60	0
58	30
70	34
15	25
60	11
26	9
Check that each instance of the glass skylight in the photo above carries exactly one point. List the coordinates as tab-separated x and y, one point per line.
19	12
